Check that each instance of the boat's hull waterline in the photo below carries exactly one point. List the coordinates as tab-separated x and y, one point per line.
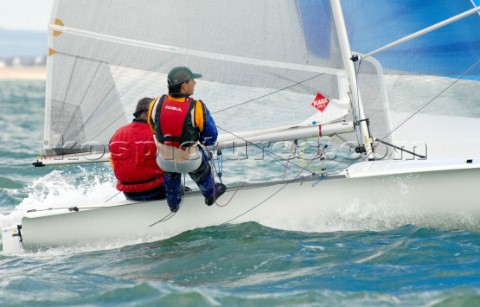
428	196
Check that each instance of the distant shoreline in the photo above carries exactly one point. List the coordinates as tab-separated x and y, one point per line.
23	73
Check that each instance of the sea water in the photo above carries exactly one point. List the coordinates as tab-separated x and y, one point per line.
231	265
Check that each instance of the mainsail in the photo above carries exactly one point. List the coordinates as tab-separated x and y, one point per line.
263	63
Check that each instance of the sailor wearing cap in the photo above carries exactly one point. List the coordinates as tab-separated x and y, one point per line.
180	124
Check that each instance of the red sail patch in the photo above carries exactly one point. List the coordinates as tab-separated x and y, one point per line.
320	102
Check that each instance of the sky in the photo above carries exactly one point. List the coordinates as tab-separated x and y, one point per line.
25	14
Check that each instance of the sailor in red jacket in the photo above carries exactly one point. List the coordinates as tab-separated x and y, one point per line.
133	152
181	124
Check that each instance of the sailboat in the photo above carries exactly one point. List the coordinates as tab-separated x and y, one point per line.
302	74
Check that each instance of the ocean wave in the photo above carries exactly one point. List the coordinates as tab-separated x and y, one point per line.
210	266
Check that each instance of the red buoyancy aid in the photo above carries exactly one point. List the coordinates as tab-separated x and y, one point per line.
133	152
174	123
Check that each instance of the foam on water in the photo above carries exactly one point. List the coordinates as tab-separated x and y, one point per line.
64	189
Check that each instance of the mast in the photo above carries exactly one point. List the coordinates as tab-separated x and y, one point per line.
346	55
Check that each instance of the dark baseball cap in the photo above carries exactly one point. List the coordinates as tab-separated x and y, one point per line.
142	106
181	74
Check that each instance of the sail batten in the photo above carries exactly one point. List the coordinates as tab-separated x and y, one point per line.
199	53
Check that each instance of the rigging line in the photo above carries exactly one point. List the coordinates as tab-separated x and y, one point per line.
271	196
163	219
324	175
345	141
100	63
425	31
271	154
102	101
358	99
219	173
318	155
171	214
66	93
90	85
324	172
259	204
433	99
112	197
212	167
76	208
323	153
71	120
231	197
268	94
291	156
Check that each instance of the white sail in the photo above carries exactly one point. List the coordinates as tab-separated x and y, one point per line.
254	57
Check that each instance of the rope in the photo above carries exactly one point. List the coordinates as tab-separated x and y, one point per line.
231	197
171	214
268	94
220	165
76	208
434	98
322	177
166	217
112	197
219	173
271	154
259	204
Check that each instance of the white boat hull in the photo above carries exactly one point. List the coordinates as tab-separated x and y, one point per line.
431	196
